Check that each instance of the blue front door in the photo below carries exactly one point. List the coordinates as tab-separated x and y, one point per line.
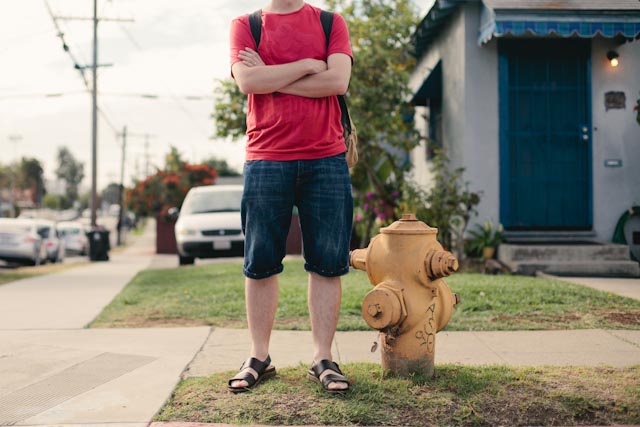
545	135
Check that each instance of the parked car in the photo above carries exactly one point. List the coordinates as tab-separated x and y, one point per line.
75	238
51	240
20	242
209	223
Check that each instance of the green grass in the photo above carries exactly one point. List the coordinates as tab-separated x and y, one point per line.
214	295
458	396
11	276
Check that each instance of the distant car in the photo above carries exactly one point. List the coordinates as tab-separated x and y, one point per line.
75	238
209	223
51	240
20	242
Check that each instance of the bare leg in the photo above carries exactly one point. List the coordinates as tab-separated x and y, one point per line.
261	299
324	308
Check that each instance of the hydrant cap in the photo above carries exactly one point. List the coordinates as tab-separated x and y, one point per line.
409	224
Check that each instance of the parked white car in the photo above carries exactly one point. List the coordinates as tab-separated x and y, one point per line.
20	242
51	240
75	238
209	224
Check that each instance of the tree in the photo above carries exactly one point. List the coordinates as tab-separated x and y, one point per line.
55	201
230	110
167	188
71	171
380	33
111	194
31	177
221	167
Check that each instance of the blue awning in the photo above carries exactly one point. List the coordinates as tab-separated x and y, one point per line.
585	24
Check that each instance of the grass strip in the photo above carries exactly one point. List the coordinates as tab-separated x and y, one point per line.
214	295
458	396
11	276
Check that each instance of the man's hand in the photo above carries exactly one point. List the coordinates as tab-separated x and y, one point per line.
333	81
316	66
250	57
254	76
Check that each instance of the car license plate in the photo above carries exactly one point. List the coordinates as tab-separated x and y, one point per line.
221	245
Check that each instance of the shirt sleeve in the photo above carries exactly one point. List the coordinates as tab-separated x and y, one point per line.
340	42
240	37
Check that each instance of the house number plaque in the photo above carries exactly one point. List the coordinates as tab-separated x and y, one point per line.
615	101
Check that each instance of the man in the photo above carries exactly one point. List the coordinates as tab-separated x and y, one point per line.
295	157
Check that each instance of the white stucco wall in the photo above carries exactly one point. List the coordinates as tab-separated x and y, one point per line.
480	146
447	47
616	134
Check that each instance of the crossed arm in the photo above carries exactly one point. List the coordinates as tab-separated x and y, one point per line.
307	77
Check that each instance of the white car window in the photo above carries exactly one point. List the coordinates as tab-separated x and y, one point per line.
43	232
218	201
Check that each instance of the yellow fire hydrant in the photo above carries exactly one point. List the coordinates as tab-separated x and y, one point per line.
410	301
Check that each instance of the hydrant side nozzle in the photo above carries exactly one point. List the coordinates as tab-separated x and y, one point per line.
439	264
383	307
358	259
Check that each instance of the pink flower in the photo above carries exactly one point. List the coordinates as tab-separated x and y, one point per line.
382	217
365	206
358	218
369	195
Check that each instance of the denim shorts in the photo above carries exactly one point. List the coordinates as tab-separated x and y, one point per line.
321	190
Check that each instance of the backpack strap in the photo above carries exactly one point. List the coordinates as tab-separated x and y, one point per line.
255	23
326	18
345	119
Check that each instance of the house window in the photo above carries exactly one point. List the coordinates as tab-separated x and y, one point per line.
434	125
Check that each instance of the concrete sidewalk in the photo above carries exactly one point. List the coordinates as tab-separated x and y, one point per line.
225	349
53	371
626	287
72	298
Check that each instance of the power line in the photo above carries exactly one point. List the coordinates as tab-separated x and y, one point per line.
146	96
173	96
65	46
42	95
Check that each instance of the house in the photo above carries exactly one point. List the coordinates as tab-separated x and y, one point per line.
535	99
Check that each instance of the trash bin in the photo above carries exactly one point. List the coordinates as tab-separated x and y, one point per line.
99	245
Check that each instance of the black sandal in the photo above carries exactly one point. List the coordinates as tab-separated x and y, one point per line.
264	370
316	371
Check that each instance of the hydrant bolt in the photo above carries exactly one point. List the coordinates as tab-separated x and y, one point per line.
374	310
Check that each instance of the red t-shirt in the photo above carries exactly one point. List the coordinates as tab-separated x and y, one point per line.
286	127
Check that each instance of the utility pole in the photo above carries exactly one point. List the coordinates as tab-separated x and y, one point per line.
146	156
94	96
121	189
94	119
12	198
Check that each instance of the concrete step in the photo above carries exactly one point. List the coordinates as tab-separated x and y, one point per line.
510	253
577	268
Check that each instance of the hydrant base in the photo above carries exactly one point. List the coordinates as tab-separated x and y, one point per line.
404	367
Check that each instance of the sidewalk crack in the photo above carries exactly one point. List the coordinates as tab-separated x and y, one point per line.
613	334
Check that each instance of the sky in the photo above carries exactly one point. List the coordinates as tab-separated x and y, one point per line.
174	50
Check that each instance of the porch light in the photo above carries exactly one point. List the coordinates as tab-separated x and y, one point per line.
613	56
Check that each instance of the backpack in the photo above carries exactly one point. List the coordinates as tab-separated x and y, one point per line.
350	135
